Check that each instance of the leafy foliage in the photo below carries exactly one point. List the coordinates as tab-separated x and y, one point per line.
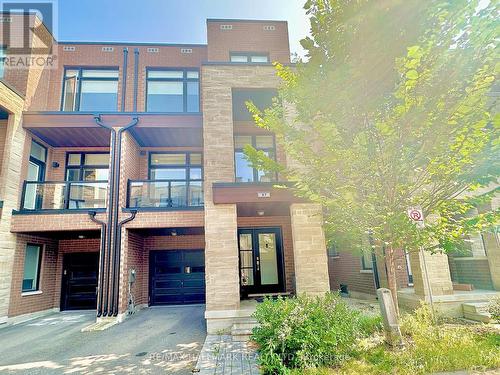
430	347
393	109
307	332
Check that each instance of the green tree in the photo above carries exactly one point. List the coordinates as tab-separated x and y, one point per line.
393	109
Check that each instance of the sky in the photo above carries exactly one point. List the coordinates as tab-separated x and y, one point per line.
169	21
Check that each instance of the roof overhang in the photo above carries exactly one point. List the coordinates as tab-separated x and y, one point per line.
76	129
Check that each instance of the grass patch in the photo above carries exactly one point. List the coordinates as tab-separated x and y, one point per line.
429	347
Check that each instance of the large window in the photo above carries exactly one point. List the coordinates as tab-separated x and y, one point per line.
244	171
87	166
3	54
32	262
183	175
90	90
174	91
249	57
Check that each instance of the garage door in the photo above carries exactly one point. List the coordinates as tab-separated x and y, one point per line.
177	277
79	281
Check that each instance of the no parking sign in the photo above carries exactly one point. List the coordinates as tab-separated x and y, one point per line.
416	215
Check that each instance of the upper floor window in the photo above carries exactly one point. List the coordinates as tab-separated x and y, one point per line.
173	91
244	171
87	166
175	166
3	54
90	89
249	57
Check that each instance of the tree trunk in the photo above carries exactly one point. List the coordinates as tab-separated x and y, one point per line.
391	276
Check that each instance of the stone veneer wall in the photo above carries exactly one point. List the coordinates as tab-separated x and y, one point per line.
10	177
221	250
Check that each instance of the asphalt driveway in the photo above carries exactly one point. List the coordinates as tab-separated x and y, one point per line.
158	340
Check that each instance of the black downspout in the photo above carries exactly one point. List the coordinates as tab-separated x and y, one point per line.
113	204
124	78
101	262
136	76
374	262
117	259
111	192
116	239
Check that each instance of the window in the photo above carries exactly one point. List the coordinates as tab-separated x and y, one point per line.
32	262
244	171
249	57
174	91
87	166
182	174
3	55
366	259
90	90
332	251
262	98
36	172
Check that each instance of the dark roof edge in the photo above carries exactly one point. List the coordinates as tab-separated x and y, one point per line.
135	44
242	20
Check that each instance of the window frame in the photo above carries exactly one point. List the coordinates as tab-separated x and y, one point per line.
3	56
38	271
248	55
184	81
187	167
364	266
254	145
81	168
80	78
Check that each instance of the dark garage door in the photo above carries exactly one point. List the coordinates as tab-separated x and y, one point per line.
177	277
79	281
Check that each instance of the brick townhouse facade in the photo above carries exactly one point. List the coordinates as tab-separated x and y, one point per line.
123	183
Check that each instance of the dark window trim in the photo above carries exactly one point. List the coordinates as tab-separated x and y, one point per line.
80	68
39	269
187	167
248	55
364	266
42	164
82	165
254	145
184	81
2	70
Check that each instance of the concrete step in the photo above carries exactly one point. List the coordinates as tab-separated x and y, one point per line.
477	311
241	331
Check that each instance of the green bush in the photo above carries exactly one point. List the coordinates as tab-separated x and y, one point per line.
306	332
494	309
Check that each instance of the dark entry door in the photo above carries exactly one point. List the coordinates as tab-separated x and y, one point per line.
177	277
79	281
261	260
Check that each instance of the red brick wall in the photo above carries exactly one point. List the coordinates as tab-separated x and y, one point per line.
50	272
345	269
247	36
282	222
20	304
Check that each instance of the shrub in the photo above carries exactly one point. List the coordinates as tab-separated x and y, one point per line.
306	332
494	309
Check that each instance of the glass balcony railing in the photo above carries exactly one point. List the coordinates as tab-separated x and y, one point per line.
165	194
64	195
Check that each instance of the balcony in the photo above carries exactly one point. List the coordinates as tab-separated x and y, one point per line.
165	194
63	195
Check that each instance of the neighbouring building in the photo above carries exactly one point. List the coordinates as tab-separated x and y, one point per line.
123	184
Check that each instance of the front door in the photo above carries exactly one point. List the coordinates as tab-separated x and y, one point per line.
261	261
79	281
